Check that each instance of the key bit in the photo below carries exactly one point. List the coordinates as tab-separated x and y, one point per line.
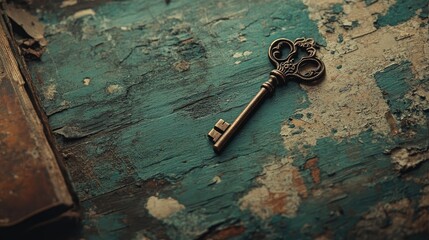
307	69
221	125
219	128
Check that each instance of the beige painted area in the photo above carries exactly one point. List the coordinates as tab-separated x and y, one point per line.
349	101
162	208
114	88
407	158
280	192
50	92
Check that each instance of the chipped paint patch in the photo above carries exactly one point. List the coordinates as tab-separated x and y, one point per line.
68	3
237	55
86	81
247	53
242	38
216	180
419	97
50	92
408	158
280	194
358	105
71	132
242	54
182	66
83	13
162	208
114	88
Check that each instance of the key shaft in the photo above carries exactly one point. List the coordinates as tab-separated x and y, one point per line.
266	89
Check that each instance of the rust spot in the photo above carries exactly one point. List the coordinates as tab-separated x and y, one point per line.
392	123
277	202
298	122
298	182
311	164
226	233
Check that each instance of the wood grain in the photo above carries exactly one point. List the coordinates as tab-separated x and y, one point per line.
132	91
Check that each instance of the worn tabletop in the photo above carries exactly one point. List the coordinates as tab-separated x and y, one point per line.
132	87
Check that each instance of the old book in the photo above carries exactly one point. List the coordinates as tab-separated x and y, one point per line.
34	191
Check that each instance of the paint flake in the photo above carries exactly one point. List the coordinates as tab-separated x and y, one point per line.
114	88
408	158
247	53
83	13
216	180
68	3
86	81
162	208
50	92
237	55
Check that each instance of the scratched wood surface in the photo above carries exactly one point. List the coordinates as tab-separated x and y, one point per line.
132	87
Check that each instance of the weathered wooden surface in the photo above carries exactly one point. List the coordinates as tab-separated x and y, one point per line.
131	89
33	189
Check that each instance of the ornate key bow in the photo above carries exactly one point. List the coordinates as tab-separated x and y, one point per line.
307	69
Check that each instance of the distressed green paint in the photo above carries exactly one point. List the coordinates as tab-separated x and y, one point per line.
337	8
394	82
154	124
401	11
139	128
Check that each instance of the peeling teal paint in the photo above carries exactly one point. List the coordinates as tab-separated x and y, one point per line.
337	8
401	11
156	125
394	83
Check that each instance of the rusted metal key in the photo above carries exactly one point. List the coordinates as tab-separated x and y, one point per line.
307	69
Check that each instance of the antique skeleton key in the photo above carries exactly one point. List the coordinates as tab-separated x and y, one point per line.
306	69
